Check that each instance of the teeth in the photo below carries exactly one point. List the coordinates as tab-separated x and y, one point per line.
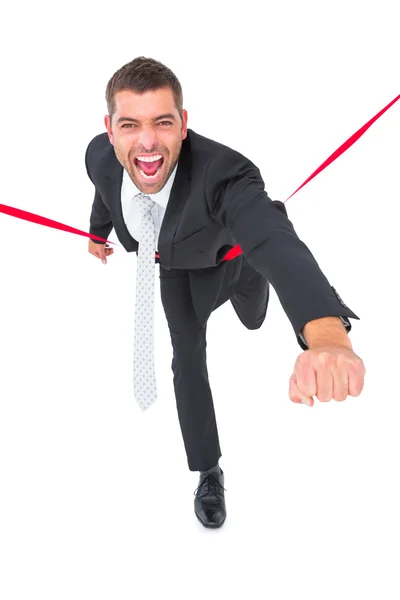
148	158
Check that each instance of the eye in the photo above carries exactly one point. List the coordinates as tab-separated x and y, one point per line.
165	123
128	125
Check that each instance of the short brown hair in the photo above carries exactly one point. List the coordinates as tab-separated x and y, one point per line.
141	75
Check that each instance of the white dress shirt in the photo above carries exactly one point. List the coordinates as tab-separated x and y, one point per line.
130	208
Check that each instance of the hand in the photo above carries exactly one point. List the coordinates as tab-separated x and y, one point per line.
326	372
100	251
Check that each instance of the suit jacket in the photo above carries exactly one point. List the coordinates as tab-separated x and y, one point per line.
218	200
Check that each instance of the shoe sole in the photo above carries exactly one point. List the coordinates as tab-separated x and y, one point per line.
209	526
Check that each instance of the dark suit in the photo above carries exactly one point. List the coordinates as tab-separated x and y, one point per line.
217	201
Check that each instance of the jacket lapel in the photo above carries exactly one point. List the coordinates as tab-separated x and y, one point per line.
113	183
178	196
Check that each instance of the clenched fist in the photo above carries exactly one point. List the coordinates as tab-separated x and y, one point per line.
326	372
100	251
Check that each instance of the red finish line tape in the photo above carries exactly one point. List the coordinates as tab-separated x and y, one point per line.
352	139
33	218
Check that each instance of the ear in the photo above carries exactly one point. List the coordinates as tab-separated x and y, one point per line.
107	123
184	124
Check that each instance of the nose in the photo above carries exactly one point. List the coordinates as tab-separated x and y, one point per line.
147	138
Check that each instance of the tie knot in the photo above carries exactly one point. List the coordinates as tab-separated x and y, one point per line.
145	203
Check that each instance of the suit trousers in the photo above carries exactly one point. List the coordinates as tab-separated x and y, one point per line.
248	292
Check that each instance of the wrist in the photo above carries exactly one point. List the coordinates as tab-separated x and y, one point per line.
326	331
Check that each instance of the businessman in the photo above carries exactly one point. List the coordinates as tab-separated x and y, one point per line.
199	210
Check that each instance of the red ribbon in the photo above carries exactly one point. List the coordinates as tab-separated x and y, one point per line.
352	139
33	218
236	250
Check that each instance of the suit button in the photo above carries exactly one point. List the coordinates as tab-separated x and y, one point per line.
339	298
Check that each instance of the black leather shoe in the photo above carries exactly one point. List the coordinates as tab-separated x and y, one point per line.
209	504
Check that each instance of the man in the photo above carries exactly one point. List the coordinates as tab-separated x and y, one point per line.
203	208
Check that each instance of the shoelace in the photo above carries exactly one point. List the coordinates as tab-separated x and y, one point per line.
211	485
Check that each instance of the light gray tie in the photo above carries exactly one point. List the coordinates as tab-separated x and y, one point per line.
144	378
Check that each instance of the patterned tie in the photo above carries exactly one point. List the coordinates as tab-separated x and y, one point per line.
144	377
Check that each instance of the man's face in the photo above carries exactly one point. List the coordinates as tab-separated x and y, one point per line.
147	126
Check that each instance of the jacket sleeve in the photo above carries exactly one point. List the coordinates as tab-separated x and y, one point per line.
238	201
100	219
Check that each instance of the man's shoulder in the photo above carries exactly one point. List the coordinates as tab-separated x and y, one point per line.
100	144
99	156
211	149
202	142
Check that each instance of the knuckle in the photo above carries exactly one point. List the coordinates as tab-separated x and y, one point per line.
303	358
356	364
327	360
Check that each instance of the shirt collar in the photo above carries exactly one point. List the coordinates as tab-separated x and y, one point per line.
160	197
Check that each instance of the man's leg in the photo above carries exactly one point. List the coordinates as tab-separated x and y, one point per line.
192	389
189	365
250	296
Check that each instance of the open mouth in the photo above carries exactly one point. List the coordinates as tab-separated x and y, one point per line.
149	167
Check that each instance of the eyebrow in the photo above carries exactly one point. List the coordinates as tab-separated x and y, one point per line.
166	116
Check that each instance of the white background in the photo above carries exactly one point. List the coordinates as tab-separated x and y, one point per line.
96	499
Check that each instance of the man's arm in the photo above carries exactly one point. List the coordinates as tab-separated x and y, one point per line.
237	200
100	219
